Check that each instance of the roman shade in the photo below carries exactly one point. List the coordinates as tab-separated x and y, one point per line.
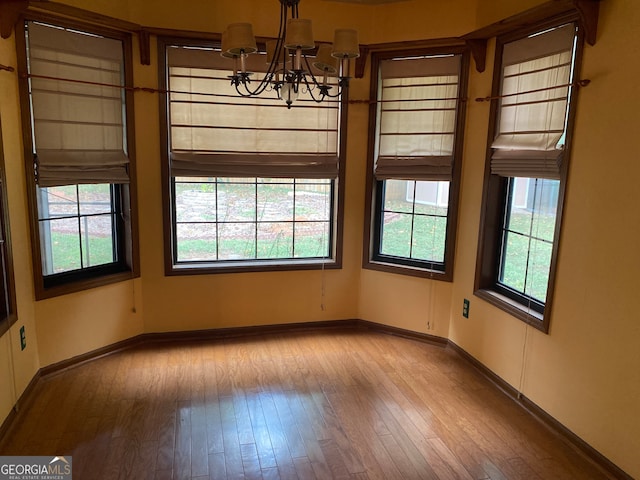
78	128
214	132
417	118
533	105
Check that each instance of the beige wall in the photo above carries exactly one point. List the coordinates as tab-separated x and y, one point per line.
585	373
17	367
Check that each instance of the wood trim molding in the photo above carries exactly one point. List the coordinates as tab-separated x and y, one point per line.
86	16
530	407
587	11
234	332
570	438
401	332
478	49
92	355
144	41
361	61
26	397
10	11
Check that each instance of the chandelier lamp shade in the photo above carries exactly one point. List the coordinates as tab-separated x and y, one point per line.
291	59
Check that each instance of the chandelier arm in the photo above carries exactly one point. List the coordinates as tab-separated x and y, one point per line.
313	77
282	29
248	92
310	89
324	90
336	95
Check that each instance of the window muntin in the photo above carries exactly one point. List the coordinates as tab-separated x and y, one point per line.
524	190
268	175
414	221
416	154
83	206
78	227
237	219
527	238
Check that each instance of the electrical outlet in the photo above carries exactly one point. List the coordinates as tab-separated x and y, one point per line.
23	338
465	308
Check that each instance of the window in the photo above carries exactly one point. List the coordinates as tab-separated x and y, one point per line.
251	184
7	287
79	160
528	160
414	162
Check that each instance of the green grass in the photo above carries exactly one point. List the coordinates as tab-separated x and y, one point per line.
422	240
246	249
526	268
65	251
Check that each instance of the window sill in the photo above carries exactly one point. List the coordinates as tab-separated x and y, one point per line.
43	293
518	310
407	270
230	266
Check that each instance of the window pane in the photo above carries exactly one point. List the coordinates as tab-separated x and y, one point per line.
514	261
398	195
544	214
275	240
538	271
57	202
528	236
520	214
237	241
396	234
311	239
236	201
195	202
275	202
432	198
61	245
415	219
97	240
94	199
241	234
196	241
429	234
313	201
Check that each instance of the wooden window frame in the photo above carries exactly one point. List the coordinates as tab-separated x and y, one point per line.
127	266
8	311
240	266
372	260
495	191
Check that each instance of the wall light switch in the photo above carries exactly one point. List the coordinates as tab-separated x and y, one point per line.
465	308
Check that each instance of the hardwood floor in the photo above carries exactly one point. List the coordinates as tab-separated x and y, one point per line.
326	404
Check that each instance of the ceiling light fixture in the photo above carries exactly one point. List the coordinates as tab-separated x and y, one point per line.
288	70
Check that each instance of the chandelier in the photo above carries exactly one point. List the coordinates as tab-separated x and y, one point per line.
289	58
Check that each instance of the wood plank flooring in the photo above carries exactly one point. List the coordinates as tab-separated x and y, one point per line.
329	404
